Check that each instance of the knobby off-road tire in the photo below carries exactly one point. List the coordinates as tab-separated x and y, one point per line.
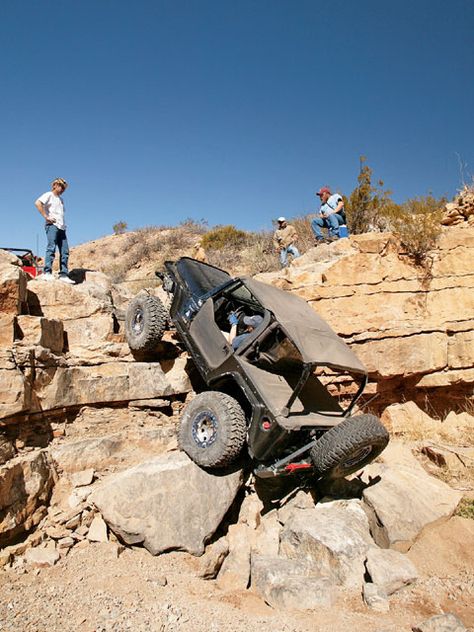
212	430
349	446
145	322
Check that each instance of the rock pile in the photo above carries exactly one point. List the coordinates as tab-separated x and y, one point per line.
461	210
299	550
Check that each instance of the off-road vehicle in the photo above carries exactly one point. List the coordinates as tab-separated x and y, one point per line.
29	263
277	392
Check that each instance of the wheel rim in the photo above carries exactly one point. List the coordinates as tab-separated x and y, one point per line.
359	456
204	428
137	321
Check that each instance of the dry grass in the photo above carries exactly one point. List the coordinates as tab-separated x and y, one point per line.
252	252
466	508
154	245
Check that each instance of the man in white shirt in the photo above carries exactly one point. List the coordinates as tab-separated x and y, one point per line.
51	207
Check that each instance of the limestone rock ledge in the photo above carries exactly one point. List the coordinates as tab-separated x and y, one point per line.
61	347
412	326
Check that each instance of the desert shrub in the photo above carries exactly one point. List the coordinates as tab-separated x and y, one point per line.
197	227
250	256
302	225
222	237
417	223
119	228
466	508
259	253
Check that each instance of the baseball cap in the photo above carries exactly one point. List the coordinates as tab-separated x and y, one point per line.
323	190
253	321
281	219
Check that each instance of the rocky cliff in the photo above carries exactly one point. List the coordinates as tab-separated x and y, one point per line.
86	427
412	326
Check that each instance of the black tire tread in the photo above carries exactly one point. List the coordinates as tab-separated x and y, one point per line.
335	446
156	319
236	430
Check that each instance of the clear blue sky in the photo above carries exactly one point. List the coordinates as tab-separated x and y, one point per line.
232	111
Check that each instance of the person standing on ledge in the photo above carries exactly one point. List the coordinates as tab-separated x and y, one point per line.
331	215
284	240
51	207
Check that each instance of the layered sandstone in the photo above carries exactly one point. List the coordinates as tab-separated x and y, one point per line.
63	356
412	326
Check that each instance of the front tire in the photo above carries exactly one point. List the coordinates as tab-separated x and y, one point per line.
145	323
348	447
213	429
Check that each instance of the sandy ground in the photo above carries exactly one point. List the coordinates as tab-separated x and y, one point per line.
96	589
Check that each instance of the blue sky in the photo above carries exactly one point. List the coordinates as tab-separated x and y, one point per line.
234	112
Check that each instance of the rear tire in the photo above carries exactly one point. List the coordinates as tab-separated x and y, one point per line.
213	429
145	323
349	446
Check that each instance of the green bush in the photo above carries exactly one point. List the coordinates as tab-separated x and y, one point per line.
222	237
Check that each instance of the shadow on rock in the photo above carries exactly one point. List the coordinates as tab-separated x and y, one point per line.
78	275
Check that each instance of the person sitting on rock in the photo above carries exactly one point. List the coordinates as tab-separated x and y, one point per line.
251	322
331	215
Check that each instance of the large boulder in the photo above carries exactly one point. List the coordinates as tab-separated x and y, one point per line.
15	385
167	503
334	537
284	583
38	331
408	420
86	310
25	485
402	499
390	570
12	284
441	623
235	571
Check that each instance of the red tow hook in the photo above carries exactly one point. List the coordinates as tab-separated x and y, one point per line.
293	467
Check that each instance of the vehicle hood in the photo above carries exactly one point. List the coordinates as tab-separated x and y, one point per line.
312	336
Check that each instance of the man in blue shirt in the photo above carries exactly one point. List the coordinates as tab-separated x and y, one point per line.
331	215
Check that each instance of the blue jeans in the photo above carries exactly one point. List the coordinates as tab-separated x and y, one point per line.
292	250
56	237
331	222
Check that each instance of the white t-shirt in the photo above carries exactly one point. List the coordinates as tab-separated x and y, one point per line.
54	207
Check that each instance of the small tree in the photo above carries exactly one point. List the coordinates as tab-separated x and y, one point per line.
366	202
119	228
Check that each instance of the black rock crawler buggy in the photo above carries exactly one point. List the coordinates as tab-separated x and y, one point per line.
272	393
